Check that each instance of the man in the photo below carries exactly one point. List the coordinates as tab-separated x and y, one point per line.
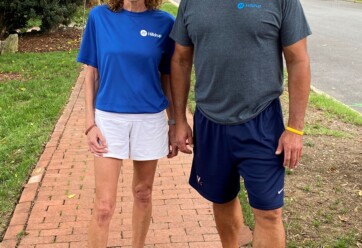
238	125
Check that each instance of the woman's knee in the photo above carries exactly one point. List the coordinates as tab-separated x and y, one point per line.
104	209
142	193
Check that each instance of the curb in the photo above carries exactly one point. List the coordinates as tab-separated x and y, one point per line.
174	3
320	92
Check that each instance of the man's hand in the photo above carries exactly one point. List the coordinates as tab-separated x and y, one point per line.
173	149
184	137
96	142
292	145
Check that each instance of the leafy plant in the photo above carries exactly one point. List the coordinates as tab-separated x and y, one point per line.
15	14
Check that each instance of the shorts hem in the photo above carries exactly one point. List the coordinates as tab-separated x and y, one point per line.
132	158
209	198
110	155
267	207
149	158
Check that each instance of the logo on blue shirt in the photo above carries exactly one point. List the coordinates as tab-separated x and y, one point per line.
242	5
144	33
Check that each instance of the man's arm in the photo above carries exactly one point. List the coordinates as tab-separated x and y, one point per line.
298	67
166	87
181	66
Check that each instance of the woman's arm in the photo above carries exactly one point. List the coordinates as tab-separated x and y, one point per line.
96	142
91	84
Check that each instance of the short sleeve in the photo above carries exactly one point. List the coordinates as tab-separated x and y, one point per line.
165	64
88	48
294	23
179	31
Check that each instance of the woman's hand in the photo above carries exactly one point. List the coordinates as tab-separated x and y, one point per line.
96	142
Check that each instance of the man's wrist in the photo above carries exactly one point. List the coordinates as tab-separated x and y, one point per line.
293	130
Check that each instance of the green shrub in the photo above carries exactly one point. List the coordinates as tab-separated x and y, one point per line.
15	14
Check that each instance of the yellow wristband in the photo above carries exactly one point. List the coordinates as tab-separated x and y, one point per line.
294	131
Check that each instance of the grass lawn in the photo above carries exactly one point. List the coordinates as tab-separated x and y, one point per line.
335	109
30	105
169	7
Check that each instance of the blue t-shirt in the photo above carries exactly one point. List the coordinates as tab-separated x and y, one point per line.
130	50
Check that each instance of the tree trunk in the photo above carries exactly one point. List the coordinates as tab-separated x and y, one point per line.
3	30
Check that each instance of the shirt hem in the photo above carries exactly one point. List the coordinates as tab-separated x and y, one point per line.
151	111
231	123
87	62
182	43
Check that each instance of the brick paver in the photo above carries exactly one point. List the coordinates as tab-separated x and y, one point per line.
57	201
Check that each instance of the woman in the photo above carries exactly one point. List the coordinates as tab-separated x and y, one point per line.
127	48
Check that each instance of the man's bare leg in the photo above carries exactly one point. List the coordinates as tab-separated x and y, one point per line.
229	222
269	230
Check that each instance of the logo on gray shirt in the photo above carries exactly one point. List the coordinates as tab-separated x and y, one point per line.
242	5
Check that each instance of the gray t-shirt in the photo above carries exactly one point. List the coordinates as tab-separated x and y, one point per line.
238	52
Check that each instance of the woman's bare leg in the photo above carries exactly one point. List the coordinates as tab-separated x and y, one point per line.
143	176
106	171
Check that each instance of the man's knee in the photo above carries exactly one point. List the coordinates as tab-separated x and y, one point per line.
228	215
270	216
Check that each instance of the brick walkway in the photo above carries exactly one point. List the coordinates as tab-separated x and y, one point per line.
57	201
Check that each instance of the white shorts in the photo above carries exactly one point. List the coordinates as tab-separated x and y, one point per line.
135	136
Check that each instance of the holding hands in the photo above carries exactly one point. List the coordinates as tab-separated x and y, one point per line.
184	138
173	149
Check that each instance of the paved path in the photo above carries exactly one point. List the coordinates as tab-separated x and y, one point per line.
335	49
56	204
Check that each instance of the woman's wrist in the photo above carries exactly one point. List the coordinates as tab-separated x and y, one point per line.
90	128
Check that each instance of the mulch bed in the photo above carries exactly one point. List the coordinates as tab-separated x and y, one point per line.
62	39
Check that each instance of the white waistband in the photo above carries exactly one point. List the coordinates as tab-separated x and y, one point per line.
129	117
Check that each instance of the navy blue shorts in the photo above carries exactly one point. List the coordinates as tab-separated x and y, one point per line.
223	153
